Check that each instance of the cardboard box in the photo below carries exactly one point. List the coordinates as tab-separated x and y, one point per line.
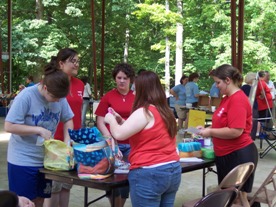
203	100
215	101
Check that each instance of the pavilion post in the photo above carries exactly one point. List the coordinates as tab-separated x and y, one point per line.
94	50
233	33
1	61
240	35
10	46
102	49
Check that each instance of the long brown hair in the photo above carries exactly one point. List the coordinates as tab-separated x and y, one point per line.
150	91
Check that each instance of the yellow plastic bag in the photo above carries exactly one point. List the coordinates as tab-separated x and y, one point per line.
58	156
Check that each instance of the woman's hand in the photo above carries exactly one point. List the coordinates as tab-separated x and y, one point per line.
108	118
117	116
45	133
205	132
200	127
119	154
25	202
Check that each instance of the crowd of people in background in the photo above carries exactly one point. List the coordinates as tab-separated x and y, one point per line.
136	114
180	98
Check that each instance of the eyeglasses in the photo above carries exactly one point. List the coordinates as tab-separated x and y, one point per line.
74	61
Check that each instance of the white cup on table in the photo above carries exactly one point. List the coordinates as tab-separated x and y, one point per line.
189	105
213	108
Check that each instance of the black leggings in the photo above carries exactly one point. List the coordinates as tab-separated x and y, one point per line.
226	163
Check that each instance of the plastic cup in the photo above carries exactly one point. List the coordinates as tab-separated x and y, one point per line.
39	141
189	105
213	108
207	142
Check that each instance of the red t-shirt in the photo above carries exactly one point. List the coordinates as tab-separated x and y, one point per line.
74	99
121	104
262	105
233	112
152	146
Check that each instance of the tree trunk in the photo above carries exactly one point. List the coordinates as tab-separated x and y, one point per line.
39	9
167	61
179	46
126	46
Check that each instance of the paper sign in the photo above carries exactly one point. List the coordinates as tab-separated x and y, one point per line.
196	118
192	130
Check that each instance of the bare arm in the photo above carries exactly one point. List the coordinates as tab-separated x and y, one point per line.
137	121
102	127
67	125
174	94
25	130
223	133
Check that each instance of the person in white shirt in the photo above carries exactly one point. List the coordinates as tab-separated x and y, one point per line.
87	94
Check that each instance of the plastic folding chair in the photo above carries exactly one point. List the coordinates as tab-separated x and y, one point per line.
269	135
220	198
266	192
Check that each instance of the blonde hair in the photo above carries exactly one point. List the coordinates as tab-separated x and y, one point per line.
250	77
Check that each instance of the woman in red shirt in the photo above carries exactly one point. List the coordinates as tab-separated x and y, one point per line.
264	99
231	127
68	61
155	171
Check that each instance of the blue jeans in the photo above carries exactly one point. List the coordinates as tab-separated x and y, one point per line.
154	187
85	105
125	149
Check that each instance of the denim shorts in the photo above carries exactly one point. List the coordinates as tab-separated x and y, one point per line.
28	181
154	187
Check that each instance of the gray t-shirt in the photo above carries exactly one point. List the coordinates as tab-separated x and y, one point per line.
31	108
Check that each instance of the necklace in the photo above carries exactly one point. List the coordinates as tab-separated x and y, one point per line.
123	96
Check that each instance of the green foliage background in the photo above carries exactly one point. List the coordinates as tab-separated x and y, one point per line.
206	36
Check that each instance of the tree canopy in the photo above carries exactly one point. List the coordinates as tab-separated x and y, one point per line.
40	28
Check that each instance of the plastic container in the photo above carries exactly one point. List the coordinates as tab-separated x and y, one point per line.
189	149
201	141
207	142
208	153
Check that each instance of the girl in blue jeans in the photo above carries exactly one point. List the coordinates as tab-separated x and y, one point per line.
155	171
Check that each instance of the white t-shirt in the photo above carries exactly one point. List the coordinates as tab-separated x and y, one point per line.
272	89
87	91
